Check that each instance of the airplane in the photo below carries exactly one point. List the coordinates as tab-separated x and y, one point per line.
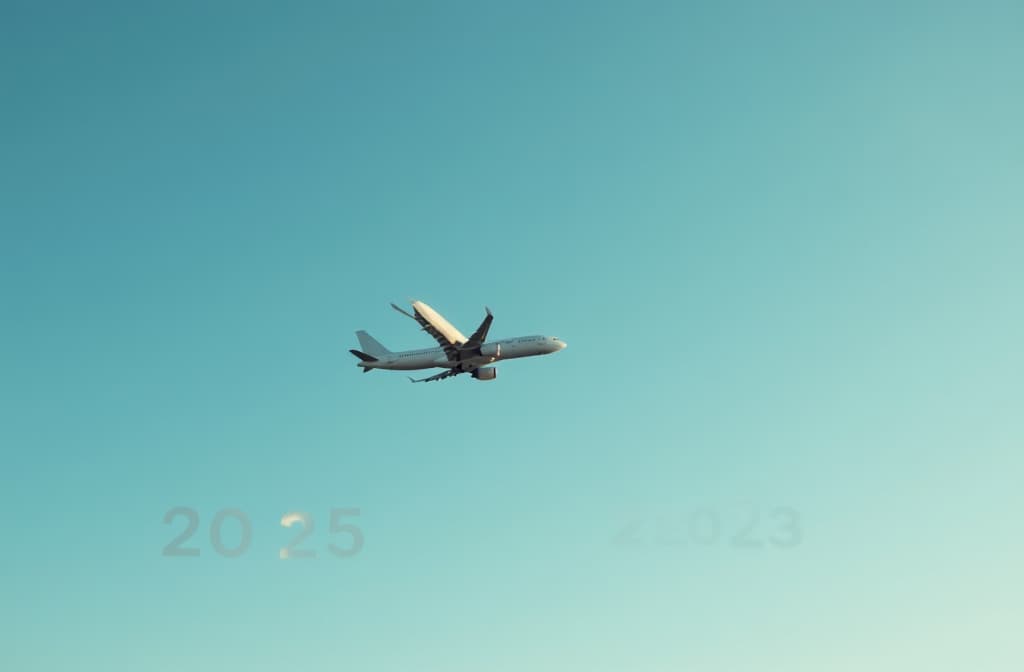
456	354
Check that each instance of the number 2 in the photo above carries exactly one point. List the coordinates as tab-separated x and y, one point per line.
291	551
174	548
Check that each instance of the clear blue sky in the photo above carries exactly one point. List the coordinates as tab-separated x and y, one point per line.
783	240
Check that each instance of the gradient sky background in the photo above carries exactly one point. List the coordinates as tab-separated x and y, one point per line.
783	240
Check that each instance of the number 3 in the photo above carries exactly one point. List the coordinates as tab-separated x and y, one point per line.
793	530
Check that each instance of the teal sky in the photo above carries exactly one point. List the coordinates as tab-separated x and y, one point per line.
784	241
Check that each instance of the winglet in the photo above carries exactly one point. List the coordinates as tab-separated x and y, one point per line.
403	312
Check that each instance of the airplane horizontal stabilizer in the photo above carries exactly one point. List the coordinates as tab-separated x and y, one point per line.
363	356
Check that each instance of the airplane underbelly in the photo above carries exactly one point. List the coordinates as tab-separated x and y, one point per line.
413	364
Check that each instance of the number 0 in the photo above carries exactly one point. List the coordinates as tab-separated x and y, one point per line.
215	539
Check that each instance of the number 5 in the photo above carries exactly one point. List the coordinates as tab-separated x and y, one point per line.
353	530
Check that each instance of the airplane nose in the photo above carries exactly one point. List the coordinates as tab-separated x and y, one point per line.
561	345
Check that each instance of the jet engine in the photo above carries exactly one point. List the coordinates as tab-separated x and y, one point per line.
485	373
491	350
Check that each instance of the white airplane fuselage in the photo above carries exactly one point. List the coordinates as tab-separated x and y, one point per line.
430	358
456	353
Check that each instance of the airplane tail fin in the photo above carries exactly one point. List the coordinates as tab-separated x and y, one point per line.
364	360
371	346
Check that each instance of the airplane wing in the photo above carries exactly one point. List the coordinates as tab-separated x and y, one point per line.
446	335
480	335
440	376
